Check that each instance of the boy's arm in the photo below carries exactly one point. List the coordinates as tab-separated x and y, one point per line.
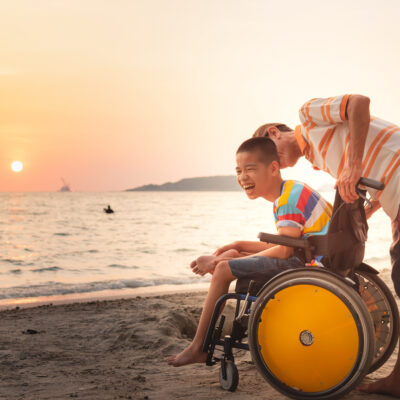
278	251
243	246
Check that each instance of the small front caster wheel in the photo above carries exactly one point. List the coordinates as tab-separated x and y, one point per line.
230	379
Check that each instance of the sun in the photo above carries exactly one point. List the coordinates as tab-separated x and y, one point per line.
17	166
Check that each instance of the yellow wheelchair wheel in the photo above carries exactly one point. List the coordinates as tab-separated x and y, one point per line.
311	335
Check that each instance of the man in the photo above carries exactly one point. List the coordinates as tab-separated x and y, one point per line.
339	136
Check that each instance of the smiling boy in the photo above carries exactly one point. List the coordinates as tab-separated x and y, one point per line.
299	212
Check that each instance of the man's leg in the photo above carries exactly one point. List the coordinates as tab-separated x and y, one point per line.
391	384
395	254
219	285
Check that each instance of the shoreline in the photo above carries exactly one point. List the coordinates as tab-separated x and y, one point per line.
126	293
103	295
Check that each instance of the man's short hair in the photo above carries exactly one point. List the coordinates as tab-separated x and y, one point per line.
264	146
262	131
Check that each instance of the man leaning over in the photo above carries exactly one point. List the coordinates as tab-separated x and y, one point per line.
338	135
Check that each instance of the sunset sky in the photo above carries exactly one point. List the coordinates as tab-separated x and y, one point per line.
115	94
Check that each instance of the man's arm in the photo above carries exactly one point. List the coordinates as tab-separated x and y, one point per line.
357	113
278	251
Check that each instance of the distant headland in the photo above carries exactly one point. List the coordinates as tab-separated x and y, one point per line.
222	183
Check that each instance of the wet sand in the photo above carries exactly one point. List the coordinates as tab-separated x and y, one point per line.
115	349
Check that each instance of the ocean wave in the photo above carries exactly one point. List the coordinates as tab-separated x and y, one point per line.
57	288
122	266
146	251
47	269
183	250
11	261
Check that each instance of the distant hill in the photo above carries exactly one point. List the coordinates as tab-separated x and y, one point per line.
226	183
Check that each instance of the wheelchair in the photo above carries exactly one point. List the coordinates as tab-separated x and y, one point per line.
313	332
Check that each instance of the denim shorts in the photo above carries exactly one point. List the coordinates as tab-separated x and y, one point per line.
259	267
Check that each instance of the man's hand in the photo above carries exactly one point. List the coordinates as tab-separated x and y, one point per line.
347	183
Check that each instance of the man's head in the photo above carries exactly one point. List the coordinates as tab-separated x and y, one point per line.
285	141
257	168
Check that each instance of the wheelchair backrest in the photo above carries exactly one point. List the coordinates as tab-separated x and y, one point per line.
343	246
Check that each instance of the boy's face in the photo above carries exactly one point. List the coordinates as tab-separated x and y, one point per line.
255	177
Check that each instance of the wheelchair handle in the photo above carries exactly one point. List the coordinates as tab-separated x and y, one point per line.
284	240
372	183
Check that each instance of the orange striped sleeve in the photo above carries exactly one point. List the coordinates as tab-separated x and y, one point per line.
389	177
343	106
325	150
309	118
310	125
324	139
374	143
377	151
323	110
392	161
344	155
328	109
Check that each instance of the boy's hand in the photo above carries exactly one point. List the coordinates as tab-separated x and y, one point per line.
234	245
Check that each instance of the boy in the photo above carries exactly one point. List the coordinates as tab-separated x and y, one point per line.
298	211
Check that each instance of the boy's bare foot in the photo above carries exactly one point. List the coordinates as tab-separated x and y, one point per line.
204	264
188	356
389	385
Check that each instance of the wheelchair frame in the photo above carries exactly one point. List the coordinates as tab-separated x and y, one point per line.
385	316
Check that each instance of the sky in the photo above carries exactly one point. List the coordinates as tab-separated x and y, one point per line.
111	95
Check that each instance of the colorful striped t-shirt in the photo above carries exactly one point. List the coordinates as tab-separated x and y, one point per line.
324	135
301	207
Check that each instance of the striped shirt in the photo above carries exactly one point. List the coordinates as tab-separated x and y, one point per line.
301	207
323	137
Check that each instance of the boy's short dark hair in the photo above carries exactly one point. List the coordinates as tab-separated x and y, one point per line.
264	146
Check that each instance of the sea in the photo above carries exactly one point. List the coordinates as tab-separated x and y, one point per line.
63	246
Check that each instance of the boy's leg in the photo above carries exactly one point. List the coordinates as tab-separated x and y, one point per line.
219	285
225	272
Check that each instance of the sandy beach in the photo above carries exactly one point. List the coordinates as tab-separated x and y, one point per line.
115	349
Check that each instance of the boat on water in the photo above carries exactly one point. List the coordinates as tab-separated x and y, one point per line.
65	187
108	210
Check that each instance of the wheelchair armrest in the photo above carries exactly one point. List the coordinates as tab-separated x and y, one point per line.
284	240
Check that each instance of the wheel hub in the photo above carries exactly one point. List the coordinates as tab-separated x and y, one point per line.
306	338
